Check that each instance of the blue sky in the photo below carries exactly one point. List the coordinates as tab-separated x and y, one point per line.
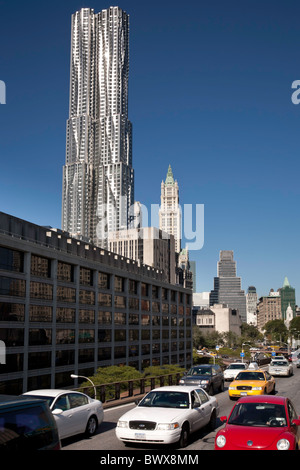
210	93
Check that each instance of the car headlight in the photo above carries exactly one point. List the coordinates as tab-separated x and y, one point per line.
283	444
167	426
257	388
221	441
232	388
204	381
181	381
122	424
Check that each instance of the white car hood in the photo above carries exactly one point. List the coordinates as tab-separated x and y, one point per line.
159	415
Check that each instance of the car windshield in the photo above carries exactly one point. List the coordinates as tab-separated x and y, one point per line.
236	366
199	371
250	376
258	414
166	400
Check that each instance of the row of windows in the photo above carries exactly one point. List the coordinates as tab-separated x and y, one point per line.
44	291
12	260
43	313
43	359
43	336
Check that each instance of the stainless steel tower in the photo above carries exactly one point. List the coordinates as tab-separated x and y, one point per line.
98	179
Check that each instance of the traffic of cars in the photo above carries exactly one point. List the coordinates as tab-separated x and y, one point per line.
260	419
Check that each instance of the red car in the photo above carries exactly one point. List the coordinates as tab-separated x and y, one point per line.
260	422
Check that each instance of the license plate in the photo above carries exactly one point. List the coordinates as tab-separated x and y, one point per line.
243	394
139	435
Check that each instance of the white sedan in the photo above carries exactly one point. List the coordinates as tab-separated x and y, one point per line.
168	415
74	412
281	367
233	369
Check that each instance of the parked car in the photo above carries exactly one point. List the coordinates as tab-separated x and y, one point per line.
168	415
260	423
233	369
297	363
74	412
27	424
251	382
210	377
281	368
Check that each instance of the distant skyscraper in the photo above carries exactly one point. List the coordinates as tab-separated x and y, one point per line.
227	287
170	212
98	180
288	298
251	302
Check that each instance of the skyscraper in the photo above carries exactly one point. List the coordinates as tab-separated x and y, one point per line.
170	212
98	179
227	286
288	297
251	303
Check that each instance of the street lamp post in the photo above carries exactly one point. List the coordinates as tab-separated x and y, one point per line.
74	376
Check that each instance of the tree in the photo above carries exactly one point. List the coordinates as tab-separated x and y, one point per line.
276	330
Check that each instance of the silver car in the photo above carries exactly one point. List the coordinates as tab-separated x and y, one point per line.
281	367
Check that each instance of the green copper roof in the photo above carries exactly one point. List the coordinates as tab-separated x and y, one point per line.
286	282
170	177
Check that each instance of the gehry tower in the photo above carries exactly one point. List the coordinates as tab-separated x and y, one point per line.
98	178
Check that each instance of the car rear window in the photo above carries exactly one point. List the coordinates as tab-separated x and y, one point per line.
26	429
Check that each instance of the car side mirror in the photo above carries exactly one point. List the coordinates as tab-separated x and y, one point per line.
223	419
57	411
296	422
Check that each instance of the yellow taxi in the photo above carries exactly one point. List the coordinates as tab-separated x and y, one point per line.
251	382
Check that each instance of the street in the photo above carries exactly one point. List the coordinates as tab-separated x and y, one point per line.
105	439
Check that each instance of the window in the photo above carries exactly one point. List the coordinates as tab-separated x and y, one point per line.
41	290
119	284
40	313
12	312
104	300
12	287
11	260
66	294
87	297
103	281
65	272
86	277
40	266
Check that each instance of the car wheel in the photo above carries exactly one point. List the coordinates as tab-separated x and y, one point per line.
91	426
184	437
221	389
211	390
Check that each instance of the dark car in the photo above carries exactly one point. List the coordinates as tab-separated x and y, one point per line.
210	377
27	424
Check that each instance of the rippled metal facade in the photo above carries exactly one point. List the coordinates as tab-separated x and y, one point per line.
98	178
